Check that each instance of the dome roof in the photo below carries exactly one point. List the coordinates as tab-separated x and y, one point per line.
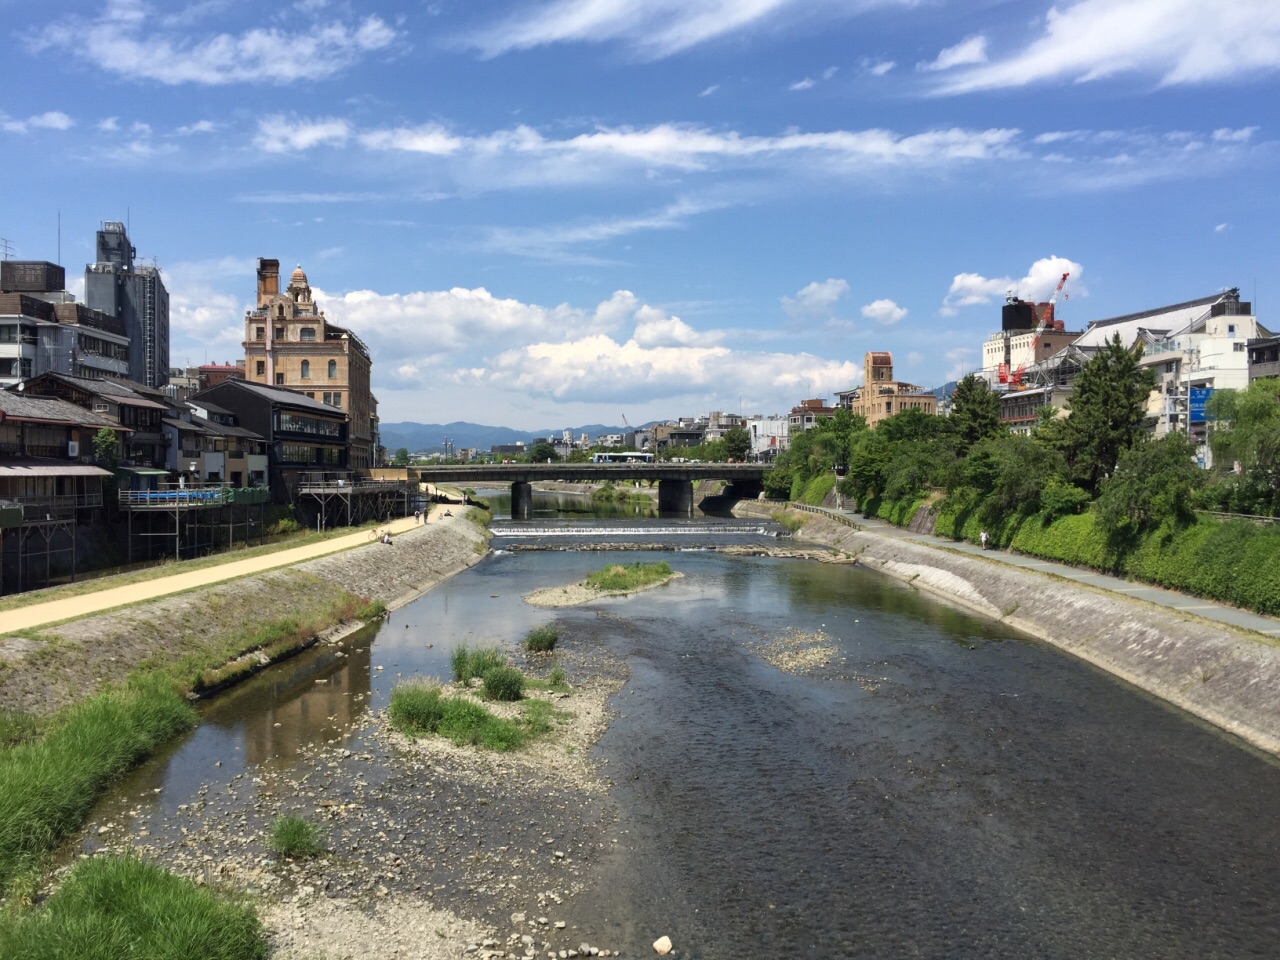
298	277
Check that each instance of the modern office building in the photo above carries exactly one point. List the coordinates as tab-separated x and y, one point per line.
118	286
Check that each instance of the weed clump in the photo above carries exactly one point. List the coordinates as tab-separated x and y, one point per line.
504	683
541	639
558	678
420	707
295	837
119	907
471	665
630	576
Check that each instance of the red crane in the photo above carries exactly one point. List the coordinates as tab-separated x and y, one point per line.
1047	322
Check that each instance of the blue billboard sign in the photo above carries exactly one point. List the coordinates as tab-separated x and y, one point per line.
1199	397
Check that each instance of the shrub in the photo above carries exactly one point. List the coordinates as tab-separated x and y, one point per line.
558	678
471	665
416	707
420	707
294	837
504	683
113	908
541	639
283	525
628	577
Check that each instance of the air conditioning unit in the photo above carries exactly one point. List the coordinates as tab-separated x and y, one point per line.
73	448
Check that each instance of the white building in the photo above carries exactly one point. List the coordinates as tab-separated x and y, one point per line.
769	436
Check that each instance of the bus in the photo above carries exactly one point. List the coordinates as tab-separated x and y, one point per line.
622	456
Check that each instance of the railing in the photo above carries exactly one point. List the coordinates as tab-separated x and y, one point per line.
847	520
48	508
1251	517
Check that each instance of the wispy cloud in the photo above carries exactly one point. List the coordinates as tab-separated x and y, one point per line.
970	51
280	134
816	300
710	90
655	29
129	40
1174	42
972	289
51	120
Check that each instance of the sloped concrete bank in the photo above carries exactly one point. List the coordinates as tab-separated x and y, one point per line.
1224	676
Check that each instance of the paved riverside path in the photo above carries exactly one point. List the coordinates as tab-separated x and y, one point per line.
55	611
1180	602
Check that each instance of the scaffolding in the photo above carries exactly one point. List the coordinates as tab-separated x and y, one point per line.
185	522
347	501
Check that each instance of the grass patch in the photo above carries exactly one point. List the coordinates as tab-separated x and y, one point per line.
789	519
471	664
631	576
50	784
17	727
558	678
541	639
296	837
504	683
420	707
119	908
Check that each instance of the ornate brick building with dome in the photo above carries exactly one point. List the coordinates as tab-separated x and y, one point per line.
289	343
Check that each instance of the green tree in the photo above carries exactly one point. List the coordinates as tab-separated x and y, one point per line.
105	447
975	413
542	452
1153	483
1108	407
1248	434
401	458
737	444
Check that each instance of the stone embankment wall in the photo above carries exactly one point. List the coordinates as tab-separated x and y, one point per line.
1230	678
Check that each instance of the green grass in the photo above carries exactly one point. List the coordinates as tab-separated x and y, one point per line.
420	708
50	784
541	639
17	727
119	908
471	665
504	683
558	678
296	837
632	576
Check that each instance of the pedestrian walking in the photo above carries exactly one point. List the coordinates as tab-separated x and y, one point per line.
983	537
417	516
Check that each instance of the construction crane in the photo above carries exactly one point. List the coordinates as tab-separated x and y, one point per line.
1047	322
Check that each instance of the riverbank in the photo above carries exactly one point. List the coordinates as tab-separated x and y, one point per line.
1228	677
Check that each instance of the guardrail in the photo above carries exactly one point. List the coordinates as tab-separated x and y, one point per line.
844	518
1251	517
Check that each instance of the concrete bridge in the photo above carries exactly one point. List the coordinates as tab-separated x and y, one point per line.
675	480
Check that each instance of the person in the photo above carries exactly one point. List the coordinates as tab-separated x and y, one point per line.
417	516
983	537
386	537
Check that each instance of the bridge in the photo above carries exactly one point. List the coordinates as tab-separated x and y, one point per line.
675	480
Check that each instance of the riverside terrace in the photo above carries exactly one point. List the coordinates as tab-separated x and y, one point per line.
675	480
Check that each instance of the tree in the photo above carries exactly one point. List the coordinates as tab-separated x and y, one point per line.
105	446
1153	482
1249	435
401	458
975	412
542	452
737	444
1108	407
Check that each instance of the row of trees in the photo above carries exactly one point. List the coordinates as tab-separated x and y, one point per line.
1100	455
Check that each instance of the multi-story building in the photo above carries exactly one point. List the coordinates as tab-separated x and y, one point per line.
769	436
289	343
805	415
137	409
43	329
134	294
881	396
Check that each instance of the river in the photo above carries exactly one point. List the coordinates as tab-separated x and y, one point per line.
942	787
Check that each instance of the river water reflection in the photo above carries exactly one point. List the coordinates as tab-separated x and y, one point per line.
943	788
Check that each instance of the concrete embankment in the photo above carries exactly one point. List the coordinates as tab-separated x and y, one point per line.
1230	678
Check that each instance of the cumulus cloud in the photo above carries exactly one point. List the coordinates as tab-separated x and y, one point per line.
127	39
1174	42
884	312
816	300
972	289
201	310
50	120
808	83
279	134
970	51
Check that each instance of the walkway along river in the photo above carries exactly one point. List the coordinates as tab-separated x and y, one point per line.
806	760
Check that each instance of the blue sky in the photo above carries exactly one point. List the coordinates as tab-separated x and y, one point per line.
539	214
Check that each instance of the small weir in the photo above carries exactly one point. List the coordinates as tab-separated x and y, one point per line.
647	530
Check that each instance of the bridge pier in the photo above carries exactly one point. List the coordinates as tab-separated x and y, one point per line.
675	496
521	500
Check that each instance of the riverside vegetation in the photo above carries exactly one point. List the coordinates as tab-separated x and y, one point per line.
1090	489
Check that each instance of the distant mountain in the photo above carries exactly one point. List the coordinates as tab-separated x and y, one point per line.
429	437
946	390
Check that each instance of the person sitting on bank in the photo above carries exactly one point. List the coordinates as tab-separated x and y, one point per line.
386	537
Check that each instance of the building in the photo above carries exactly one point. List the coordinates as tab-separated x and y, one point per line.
769	436
805	415
1264	357
303	436
43	329
136	296
132	407
289	343
210	447
881	396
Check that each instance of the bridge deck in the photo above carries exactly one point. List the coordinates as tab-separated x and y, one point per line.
589	472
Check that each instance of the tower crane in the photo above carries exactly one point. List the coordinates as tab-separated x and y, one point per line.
1047	322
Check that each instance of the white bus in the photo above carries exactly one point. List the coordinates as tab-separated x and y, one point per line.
622	456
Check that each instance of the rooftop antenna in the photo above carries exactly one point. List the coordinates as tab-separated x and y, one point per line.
59	236
6	248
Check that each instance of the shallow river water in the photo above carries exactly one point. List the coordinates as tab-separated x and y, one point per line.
944	787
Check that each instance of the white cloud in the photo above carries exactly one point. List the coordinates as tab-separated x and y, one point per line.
1228	135
972	289
884	312
808	83
277	134
1175	42
962	360
655	29
710	90
1222	228
967	52
200	126
51	120
109	124
877	68
124	40
816	300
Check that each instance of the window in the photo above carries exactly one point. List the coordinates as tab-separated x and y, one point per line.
1171	366
261	368
1231	329
279	379
333	369
259	333
1239	347
310	395
337	400
307	334
279	334
306	369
